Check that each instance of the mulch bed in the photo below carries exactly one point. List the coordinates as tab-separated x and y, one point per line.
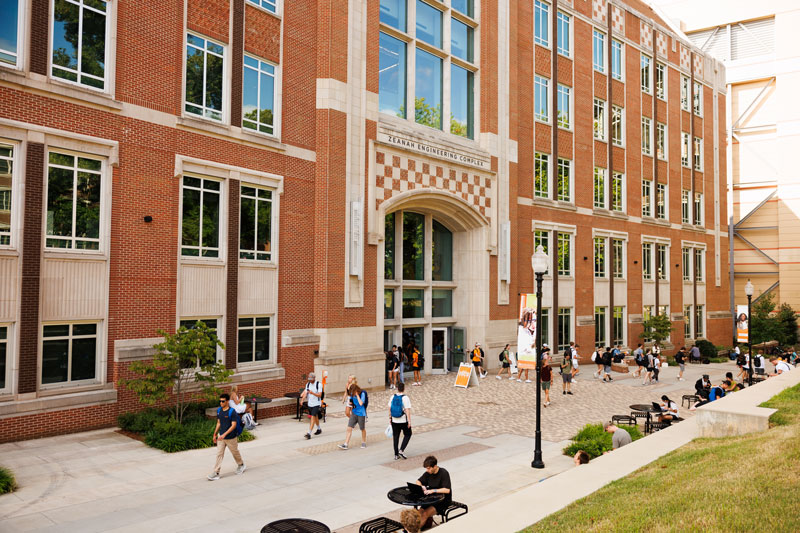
131	434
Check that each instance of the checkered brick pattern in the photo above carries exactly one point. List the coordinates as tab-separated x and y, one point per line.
618	19
599	10
698	66
684	57
395	174
646	39
661	44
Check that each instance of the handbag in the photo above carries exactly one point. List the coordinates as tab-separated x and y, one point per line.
388	431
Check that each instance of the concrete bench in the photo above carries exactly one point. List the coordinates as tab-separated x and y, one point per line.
211	412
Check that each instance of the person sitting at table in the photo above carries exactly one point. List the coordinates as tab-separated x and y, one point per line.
410	520
581	458
247	417
669	410
435	480
702	386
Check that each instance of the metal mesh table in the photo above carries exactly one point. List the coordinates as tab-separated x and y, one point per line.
295	525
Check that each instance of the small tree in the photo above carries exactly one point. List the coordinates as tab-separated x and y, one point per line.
188	356
657	328
763	327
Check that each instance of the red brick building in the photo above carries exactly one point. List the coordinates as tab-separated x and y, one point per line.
254	164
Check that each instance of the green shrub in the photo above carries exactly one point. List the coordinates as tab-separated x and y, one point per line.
7	481
594	440
706	348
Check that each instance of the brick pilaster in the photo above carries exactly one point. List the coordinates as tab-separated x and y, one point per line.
232	291
40	35
237	48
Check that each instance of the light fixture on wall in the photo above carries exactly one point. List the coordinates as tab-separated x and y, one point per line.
148	218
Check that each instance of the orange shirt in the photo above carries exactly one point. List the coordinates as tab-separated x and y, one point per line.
476	355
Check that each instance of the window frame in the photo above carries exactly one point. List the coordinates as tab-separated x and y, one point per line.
646	73
564	91
565	19
687	321
599	37
600	330
617	111
617	178
99	354
599	201
647	261
661	85
698	99
108	56
647	136
19	63
661	259
8	342
699	321
647	198
686	263
541	160
564	312
225	87
563	162
698	209
541	11
260	5
685	149
685	209
698	154
685	81
662	141
540	82
699	264
568	239
221	230
276	93
219	331
272	219
619	258
15	207
620	340
599	123
618	45
600	244
272	356
662	201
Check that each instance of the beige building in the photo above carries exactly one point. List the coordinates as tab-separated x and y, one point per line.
759	44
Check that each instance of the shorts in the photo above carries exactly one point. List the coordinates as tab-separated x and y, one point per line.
650	368
356	419
506	365
477	363
607	369
314	411
567	377
681	366
545	385
641	363
574	363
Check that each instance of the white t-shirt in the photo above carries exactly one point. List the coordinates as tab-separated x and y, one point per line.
406	405
782	366
746	361
671	409
239	408
575	358
314	401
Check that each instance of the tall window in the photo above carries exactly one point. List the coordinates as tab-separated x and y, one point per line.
564	115
647	75
6	178
599	187
541	26
69	353
698	209
661	81
599	257
564	180
3	357
687	263
663	261
442	253
616	59
661	141
618	328
647	260
699	271
253	336
388	304
10	34
540	100
541	177
599	327
255	223
647	136
599	119
200	217
564	254
564	327
687	321
432	92
258	98
388	247
79	41
564	30
413	246
617	126
699	319
698	154
616	191
269	5
647	198
698	99
205	61
685	206
685	149
619	258
544	325
541	238
661	200
599	51
685	93
73	202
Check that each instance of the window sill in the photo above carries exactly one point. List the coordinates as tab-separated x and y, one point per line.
57	400
202	262
598	211
547	202
566	206
9	252
53	86
258	265
51	253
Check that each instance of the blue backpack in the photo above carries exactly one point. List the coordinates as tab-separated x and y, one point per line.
397	406
234	418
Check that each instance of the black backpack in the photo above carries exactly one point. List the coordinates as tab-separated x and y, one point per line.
567	353
366	399
500	357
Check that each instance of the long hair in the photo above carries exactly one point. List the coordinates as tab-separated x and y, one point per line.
355	390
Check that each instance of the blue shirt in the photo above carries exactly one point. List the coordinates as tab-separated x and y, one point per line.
225	421
359	410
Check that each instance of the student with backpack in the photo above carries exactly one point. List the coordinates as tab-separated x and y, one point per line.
358	415
313	394
597	358
505	363
566	375
639	358
400	419
226	435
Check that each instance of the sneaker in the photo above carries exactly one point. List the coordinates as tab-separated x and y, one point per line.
256	424
519	381
498	377
307	436
594	374
213	476
396	457
343	446
528	381
681	379
511	378
363	445
402	455
240	470
563	392
610	378
318	431
569	392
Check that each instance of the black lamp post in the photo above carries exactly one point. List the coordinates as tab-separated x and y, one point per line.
539	263
748	290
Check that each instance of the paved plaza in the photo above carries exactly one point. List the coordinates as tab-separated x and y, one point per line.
104	481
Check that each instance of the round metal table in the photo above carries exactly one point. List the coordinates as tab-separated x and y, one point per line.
403	496
295	525
255	400
296	396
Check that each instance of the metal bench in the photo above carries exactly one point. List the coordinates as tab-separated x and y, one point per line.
636	415
454	510
623	419
380	525
689	399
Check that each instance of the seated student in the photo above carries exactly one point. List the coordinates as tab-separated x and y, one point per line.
781	366
410	520
714	393
702	386
734	386
759	367
581	458
247	417
435	480
669	410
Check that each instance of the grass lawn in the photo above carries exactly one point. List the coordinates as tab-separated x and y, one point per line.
747	483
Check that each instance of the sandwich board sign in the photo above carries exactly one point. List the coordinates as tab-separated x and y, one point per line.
466	376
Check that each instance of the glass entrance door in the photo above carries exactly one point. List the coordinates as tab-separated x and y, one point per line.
439	350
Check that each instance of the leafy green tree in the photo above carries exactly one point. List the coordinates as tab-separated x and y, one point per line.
188	356
424	113
768	323
657	328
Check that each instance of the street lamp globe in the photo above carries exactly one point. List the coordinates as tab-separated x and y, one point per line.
539	260
748	288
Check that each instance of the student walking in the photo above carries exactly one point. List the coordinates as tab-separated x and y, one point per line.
680	359
607	360
400	419
575	359
566	376
547	377
656	365
392	367
597	358
648	368
358	415
226	435
401	366
505	363
313	395
477	360
415	365
639	358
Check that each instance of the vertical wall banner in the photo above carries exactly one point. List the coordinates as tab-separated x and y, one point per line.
526	333
742	324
